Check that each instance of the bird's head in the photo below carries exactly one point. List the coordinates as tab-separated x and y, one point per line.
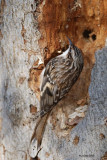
71	47
70	43
73	51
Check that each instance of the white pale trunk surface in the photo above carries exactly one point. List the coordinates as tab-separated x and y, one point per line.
16	121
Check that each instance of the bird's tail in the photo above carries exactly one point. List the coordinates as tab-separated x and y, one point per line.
38	135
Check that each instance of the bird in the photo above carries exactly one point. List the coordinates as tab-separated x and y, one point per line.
57	78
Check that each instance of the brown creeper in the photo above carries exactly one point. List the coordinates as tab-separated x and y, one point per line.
58	77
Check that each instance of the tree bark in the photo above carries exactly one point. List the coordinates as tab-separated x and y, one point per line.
31	32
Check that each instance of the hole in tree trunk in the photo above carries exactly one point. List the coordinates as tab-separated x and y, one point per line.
93	37
86	33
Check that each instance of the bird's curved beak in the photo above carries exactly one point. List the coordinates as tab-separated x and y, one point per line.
70	43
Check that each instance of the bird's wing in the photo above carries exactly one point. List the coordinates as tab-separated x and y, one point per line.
56	82
49	89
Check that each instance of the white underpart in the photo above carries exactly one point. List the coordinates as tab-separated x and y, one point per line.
64	53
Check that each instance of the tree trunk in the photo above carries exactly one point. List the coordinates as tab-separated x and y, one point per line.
31	32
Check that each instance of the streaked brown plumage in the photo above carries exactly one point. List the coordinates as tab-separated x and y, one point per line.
58	77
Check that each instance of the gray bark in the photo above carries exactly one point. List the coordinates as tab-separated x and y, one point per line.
16	59
16	121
